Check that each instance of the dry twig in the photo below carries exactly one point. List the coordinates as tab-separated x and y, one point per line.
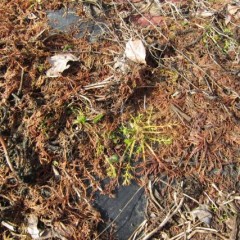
6	155
165	221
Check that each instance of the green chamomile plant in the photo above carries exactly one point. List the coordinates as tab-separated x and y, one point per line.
141	135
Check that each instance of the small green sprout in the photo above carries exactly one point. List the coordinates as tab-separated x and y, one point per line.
127	176
55	163
213	208
41	68
111	170
99	149
81	118
113	159
98	118
223	217
67	47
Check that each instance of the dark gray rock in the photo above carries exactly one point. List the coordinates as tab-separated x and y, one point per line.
69	21
63	20
127	208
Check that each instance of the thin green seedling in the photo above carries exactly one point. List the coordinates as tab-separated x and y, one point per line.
140	135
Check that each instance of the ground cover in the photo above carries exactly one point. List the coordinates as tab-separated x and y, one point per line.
168	122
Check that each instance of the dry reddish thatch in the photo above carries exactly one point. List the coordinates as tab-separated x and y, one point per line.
191	80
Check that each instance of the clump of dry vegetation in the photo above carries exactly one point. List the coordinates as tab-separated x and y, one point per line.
175	117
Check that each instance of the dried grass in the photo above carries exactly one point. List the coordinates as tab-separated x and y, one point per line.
191	78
